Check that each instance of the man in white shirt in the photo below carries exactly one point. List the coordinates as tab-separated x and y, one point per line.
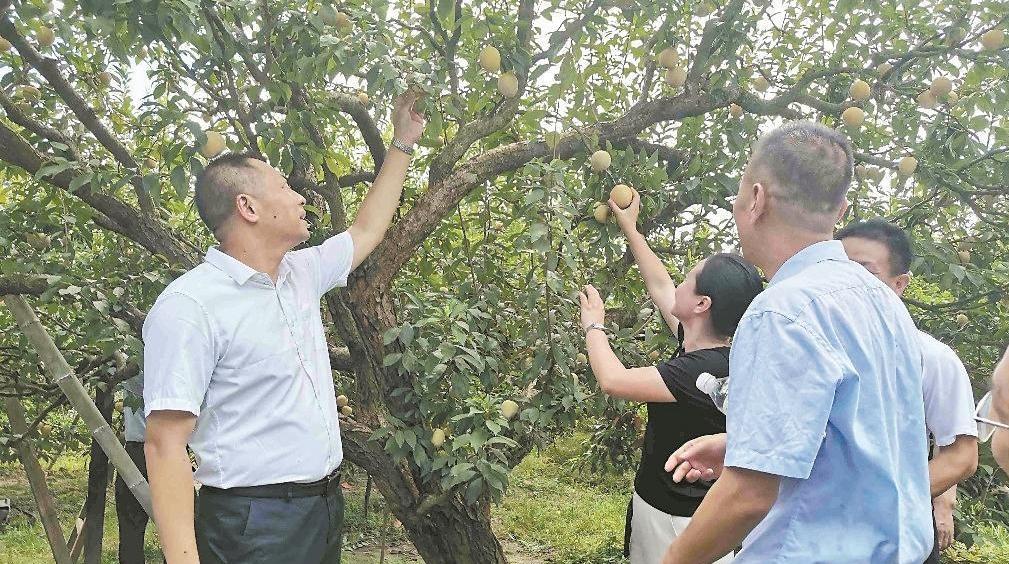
885	251
236	366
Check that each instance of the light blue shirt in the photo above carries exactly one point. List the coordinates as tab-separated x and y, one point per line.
826	392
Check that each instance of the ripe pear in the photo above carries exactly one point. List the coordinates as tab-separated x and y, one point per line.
735	110
654	355
214	145
581	358
941	86
669	58
150	163
29	92
853	117
927	100
509	408
676	76
346	411
45	36
907	165
601	212
438	438
859	90
760	83
45	429
862	171
993	39
104	78
600	160
508	84
342	400
884	69
4	45
952	98
964	257
962	320
622	195
490	59
343	23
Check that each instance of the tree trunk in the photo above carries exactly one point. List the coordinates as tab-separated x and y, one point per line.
454	533
98	485
36	477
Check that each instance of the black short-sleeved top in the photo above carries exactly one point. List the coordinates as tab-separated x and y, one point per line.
672	424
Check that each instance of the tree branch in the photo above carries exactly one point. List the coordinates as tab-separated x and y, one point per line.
84	112
442	196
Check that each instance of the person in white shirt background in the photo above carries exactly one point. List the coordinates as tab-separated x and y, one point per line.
885	251
236	366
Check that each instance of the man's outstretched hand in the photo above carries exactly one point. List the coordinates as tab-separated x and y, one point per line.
407	123
698	459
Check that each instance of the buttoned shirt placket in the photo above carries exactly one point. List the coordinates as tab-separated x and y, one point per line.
292	320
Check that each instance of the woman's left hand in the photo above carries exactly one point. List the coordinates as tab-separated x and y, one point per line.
592	306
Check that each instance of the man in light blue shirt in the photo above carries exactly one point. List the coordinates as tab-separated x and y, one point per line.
825	457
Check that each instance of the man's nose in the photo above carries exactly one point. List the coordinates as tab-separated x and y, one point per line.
301	200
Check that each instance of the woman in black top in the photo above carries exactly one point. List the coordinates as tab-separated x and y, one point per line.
704	310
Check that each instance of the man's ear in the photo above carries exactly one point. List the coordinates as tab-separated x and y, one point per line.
703	305
759	197
247	208
902	283
844	210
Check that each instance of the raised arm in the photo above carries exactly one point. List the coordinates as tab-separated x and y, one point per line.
1000	411
375	215
661	288
635	384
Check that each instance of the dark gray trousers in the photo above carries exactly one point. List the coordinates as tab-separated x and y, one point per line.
234	529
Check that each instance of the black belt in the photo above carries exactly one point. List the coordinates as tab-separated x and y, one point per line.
322	487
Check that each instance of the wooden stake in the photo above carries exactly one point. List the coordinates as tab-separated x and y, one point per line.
37	479
59	371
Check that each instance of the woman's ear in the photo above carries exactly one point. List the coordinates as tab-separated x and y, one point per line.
703	304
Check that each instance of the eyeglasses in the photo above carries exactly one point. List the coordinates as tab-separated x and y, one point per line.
986	427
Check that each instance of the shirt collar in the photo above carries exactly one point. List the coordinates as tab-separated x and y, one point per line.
813	254
238	270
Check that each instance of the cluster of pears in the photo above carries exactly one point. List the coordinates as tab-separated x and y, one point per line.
941	88
621	194
490	61
343	403
676	73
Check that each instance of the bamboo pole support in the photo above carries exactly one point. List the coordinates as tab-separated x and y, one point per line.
37	479
59	371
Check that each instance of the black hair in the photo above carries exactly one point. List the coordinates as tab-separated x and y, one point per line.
218	184
731	282
892	237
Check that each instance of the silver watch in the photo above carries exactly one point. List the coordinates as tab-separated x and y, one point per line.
592	326
408	149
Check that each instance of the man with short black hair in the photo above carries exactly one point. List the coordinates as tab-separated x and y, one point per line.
824	458
236	366
885	251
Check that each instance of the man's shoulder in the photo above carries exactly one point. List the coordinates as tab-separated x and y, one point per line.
936	353
790	297
195	285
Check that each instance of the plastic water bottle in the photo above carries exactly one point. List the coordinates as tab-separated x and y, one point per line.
717	388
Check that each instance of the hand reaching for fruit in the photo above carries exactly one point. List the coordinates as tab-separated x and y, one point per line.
407	123
627	218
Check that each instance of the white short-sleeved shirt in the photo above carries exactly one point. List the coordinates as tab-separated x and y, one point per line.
949	399
249	358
